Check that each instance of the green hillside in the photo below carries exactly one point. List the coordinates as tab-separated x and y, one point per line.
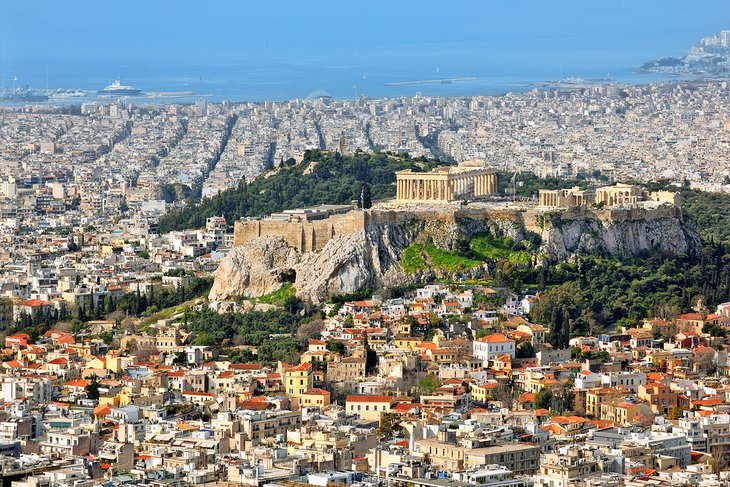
321	178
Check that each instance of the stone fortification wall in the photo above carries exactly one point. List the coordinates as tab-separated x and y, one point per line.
312	235
303	235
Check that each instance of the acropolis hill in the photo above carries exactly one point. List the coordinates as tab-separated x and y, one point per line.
335	249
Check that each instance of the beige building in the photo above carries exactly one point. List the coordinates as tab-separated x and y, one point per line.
563	198
470	179
368	407
521	458
255	427
563	470
347	369
620	194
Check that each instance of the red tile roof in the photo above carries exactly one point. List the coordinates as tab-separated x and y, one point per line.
494	338
363	398
34	303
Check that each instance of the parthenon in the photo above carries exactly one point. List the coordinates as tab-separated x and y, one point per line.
470	179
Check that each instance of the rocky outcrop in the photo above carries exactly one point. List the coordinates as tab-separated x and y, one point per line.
254	269
349	263
371	258
617	233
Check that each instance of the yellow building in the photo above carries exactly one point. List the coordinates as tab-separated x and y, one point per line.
96	363
298	380
113	363
315	398
368	407
621	411
482	392
596	397
405	342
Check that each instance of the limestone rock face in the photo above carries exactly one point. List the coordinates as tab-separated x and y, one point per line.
350	263
254	269
619	233
371	258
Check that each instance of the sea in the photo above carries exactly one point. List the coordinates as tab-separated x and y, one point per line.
260	73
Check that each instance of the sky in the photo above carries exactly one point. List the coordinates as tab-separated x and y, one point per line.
185	29
452	36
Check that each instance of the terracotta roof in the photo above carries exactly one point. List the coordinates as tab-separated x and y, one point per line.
527	397
300	368
58	361
202	394
358	398
318	392
34	303
494	338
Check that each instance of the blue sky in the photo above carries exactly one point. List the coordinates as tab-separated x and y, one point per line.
197	30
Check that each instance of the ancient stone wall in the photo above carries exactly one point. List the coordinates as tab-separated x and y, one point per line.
308	236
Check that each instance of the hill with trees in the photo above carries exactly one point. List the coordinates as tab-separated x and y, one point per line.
321	178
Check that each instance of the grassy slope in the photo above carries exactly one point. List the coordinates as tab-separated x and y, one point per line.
493	248
418	257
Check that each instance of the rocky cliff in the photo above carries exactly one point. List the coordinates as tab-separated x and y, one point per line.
617	233
372	258
255	269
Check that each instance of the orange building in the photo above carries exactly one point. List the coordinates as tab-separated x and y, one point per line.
659	396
